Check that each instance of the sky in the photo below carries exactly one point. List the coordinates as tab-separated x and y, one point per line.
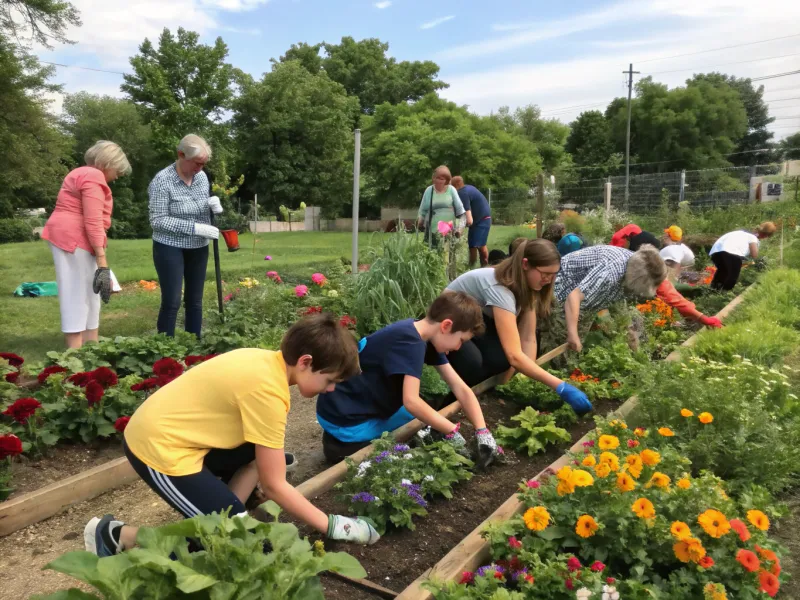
565	58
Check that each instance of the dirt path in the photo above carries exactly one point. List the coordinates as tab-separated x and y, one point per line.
25	552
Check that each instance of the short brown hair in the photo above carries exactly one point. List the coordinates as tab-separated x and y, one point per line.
331	346
767	228
554	232
457	182
461	308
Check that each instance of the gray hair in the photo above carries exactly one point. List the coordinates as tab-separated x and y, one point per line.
645	271
108	156
194	146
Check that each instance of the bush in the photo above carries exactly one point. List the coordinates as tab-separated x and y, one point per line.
775	299
15	230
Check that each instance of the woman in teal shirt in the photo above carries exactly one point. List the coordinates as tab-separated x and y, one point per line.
440	202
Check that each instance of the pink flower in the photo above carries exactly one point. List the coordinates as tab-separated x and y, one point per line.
319	279
300	290
597	566
467	577
532	483
573	564
514	543
633	443
611	581
569	584
267	257
274	276
445	227
228	298
500	450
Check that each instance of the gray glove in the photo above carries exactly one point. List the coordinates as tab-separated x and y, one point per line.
206	231
102	283
215	205
347	529
456	439
486	448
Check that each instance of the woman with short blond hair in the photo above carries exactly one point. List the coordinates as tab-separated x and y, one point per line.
76	231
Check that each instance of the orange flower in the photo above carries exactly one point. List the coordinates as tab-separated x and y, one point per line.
536	518
589	461
650	457
660	322
666	432
706	562
618	423
768	583
681	550
580	478
689	550
714	523
767	554
602	470
740	528
564	473
643	508
615	384
625	482
565	488
705	417
660	480
680	531
633	465
640	432
775	569
684	483
685	412
610	459
586	526
758	519
608	442
748	560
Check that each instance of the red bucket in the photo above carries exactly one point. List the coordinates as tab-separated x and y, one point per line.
231	239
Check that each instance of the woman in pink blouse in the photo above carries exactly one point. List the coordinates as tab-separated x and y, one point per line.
77	234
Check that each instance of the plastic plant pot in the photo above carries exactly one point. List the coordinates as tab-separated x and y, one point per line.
231	239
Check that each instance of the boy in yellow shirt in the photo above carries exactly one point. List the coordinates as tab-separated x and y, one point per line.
204	441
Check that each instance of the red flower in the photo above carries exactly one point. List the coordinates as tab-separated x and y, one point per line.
347	321
105	377
529	578
94	393
597	566
569	584
498	575
748	560
467	577
15	360
573	564
10	445
121	423
12	377
633	443
611	581
312	310
209	357
768	583
52	369
706	562
80	379
167	369
22	409
514	543
145	385
193	359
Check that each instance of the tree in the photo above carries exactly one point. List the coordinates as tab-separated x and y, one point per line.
365	71
294	130
39	21
182	87
790	147
589	143
757	136
549	135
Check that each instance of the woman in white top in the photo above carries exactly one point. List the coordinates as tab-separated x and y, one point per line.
731	249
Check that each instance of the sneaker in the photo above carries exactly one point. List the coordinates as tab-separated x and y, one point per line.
291	462
97	536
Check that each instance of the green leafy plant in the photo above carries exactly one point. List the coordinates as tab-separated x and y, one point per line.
231	564
431	383
526	391
534	432
760	340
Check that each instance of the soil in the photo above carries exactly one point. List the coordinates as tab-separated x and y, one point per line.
786	533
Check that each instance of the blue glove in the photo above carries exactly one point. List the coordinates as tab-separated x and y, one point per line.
574	397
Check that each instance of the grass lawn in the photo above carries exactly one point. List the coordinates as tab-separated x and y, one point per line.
31	326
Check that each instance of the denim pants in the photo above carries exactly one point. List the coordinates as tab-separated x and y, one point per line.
176	268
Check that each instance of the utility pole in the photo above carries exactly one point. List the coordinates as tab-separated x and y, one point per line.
630	72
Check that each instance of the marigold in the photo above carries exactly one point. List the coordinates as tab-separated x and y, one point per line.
680	531
610	459
608	442
681	550
580	478
633	465
706	562
705	417
740	528
565	487
536	518
748	560
767	554
625	482
714	523
564	473
758	519
684	483
696	550
714	591
768	583
640	432
589	461
666	431
618	423
602	470
660	480
685	412
650	457
643	508
586	526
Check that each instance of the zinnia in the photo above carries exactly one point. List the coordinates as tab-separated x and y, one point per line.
147	384
625	482
705	417
94	393
680	531
597	566
758	519
586	526
766	554
602	470
714	523
768	583
514	543
573	564
51	370
105	377
644	509
650	457
167	369
565	488
15	360
608	442
640	432
740	528
666	431
121	423
748	560
22	409
685	412
319	279
536	518
80	379
706	562
10	445
564	473
300	290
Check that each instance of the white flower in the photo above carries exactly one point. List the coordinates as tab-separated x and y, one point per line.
428	477
583	594
362	468
391	457
610	593
408	456
405	482
333	294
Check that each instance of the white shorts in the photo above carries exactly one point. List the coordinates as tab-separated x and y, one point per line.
80	306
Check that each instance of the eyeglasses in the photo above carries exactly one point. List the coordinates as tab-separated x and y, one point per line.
547	275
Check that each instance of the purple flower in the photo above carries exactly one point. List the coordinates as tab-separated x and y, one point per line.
382	456
267	257
394	491
520	574
402	448
363	497
484	570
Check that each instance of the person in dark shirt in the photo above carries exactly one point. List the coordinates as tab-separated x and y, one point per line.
479	220
385	395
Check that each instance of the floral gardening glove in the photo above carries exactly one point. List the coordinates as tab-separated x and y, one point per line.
102	283
347	529
486	448
456	439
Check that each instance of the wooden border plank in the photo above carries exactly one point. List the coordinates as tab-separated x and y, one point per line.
364	584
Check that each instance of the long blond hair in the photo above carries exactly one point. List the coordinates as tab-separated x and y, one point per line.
511	274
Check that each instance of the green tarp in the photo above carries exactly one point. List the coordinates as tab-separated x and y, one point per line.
34	290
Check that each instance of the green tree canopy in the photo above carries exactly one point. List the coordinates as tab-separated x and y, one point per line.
39	21
790	147
549	135
589	143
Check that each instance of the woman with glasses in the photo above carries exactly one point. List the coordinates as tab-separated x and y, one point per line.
512	295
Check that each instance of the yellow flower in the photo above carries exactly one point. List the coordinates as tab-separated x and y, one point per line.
589	461
660	480
633	465
689	550
684	483
608	442
565	487
758	519
643	508
536	518
602	470
681	531
580	478
714	591
586	526
650	457
640	432
705	417
618	423
610	459
625	482
564	473
666	431
685	412
714	523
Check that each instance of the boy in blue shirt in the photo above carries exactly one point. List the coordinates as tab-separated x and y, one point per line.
386	396
479	220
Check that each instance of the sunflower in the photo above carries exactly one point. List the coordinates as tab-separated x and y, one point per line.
650	457
536	518
685	412
643	508
610	459
633	465
602	470
758	519
565	488
680	531
748	560
684	483
625	482
768	583
586	526
608	442
705	418
589	460
660	480
740	528
714	523
666	431
581	478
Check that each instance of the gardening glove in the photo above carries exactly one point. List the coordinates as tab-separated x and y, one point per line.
711	322
206	231
487	448
102	283
215	205
456	439
347	529
574	397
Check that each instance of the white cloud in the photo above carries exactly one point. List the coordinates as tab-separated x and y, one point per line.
383	4
437	22
234	5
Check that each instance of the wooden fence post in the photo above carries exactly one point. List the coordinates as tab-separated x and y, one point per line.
539	205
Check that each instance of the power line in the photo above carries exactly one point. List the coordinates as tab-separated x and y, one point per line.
781	118
775	76
661	162
784	99
83	68
722	48
784	89
741	62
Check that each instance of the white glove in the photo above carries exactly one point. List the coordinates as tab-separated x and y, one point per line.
215	205
347	529
206	231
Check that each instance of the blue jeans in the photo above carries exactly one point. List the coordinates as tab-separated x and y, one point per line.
176	266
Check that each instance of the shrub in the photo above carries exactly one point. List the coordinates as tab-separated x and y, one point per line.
775	299
15	230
